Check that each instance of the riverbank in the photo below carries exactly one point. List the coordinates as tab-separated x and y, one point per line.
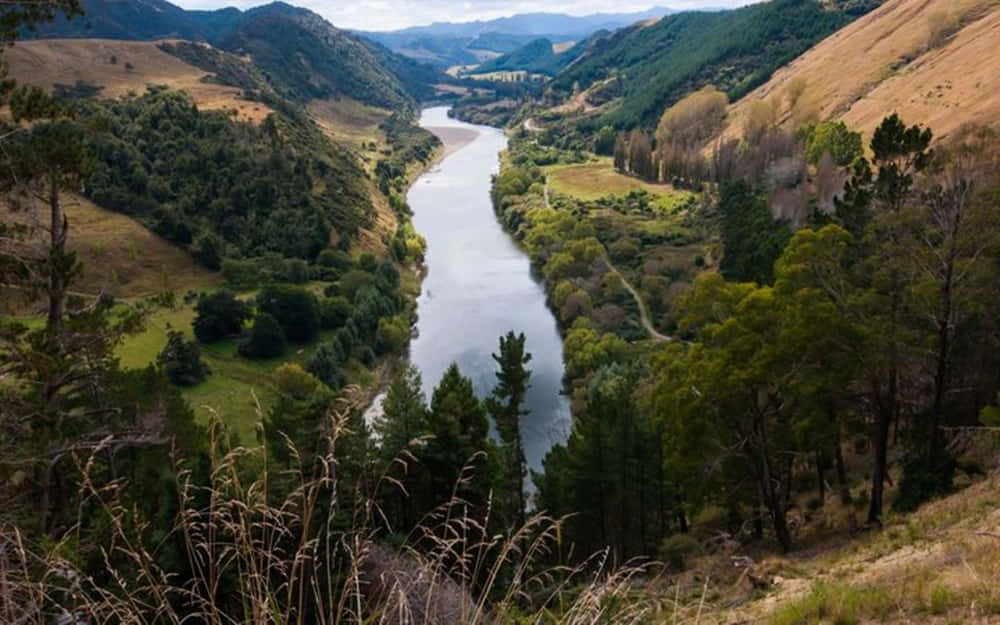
453	139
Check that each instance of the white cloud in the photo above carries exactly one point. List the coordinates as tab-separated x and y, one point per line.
393	14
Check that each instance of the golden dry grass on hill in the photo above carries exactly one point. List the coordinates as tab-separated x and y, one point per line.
122	257
121	67
932	61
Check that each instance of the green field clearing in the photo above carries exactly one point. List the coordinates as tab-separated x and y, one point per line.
595	180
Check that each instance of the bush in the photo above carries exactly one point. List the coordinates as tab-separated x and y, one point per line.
267	339
676	550
922	481
218	316
334	312
392	334
181	361
295	309
334	259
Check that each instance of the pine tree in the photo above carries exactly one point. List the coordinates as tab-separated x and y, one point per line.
506	405
402	429
460	431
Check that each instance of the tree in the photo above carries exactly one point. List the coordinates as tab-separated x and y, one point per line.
875	204
267	339
219	315
952	230
685	128
208	250
833	138
605	141
752	239
506	405
621	154
326	364
181	360
41	161
403	429
18	16
294	308
460	431
640	156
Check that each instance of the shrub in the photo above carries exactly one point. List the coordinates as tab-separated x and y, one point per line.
267	339
218	316
291	380
334	312
392	334
676	550
334	259
181	360
922	481
294	308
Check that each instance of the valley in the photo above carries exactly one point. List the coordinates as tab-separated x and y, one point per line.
671	316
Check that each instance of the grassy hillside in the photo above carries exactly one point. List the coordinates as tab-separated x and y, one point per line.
932	62
735	50
113	69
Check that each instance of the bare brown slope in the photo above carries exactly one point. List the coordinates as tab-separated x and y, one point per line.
932	61
121	67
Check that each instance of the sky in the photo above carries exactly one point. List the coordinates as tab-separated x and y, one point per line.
395	14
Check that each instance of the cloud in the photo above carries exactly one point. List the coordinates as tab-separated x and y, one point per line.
394	14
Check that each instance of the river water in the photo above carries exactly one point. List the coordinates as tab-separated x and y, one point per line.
479	284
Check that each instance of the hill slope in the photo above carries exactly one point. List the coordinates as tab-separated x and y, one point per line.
302	54
538	57
116	68
932	61
736	50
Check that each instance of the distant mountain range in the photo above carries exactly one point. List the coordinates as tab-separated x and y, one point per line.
467	43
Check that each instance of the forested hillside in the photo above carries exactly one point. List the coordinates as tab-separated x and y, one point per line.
736	51
303	55
537	57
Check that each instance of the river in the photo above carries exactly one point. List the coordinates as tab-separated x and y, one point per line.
479	284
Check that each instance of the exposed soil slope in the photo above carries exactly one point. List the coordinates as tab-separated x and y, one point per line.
932	61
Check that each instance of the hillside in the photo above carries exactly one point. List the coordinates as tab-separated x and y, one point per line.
932	61
303	55
112	68
658	63
538	57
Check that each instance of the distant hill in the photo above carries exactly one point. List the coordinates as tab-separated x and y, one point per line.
538	57
303	55
656	64
464	43
933	62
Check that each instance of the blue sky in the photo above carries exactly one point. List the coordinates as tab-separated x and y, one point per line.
393	14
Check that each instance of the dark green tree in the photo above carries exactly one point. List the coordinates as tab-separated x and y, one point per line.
181	360
219	315
605	141
294	308
403	429
267	339
460	430
751	237
506	405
